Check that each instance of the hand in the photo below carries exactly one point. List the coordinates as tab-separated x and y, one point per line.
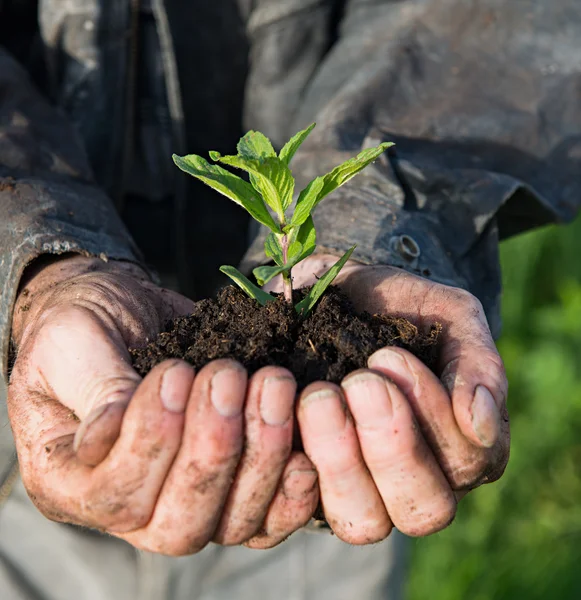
396	444
169	463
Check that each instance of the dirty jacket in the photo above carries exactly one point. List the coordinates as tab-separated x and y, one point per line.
481	98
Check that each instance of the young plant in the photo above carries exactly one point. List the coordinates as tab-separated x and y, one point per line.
268	196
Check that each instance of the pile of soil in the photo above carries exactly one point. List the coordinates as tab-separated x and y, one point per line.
328	345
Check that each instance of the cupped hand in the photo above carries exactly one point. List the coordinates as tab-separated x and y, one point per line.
396	444
168	463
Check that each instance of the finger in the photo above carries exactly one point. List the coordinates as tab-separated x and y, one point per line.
120	493
191	501
76	357
412	486
470	366
98	433
464	463
101	427
293	506
269	430
472	371
351	502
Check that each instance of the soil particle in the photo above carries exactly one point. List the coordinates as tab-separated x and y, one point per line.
328	345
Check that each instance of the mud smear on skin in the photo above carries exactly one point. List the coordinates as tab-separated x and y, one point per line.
328	345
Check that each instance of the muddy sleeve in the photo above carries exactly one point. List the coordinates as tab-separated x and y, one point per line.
481	99
48	201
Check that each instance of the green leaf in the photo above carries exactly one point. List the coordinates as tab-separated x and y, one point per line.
306	238
305	306
343	173
303	245
227	184
295	250
310	197
289	149
273	249
269	176
255	145
265	274
246	285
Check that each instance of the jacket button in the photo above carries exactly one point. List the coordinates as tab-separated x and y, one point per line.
407	247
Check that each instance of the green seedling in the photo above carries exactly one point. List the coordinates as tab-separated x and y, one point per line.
268	196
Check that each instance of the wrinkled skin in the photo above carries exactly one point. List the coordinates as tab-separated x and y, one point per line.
398	445
179	459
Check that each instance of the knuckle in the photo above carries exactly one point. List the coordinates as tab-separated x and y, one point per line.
115	505
123	518
492	362
338	464
406	449
472	304
223	458
202	478
443	296
408	443
466	301
110	298
112	389
266	461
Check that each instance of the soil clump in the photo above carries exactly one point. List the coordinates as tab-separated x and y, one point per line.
330	343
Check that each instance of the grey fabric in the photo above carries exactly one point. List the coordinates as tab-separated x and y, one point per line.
41	560
482	99
7	451
49	203
486	140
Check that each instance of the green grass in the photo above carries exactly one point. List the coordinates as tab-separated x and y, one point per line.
521	537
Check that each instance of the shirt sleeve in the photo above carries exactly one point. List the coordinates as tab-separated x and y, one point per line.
49	203
481	100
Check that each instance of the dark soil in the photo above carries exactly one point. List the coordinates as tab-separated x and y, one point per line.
331	343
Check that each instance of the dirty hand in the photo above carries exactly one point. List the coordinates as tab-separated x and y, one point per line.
395	444
169	463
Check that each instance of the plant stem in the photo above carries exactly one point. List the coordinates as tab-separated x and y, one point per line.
287	280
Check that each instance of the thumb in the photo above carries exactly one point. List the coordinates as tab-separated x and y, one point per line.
98	433
473	373
79	358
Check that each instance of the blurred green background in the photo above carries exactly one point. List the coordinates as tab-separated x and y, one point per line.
521	537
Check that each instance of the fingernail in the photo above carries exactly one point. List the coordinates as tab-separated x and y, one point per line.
485	417
277	400
176	383
86	423
325	411
386	358
369	398
228	391
298	484
394	365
